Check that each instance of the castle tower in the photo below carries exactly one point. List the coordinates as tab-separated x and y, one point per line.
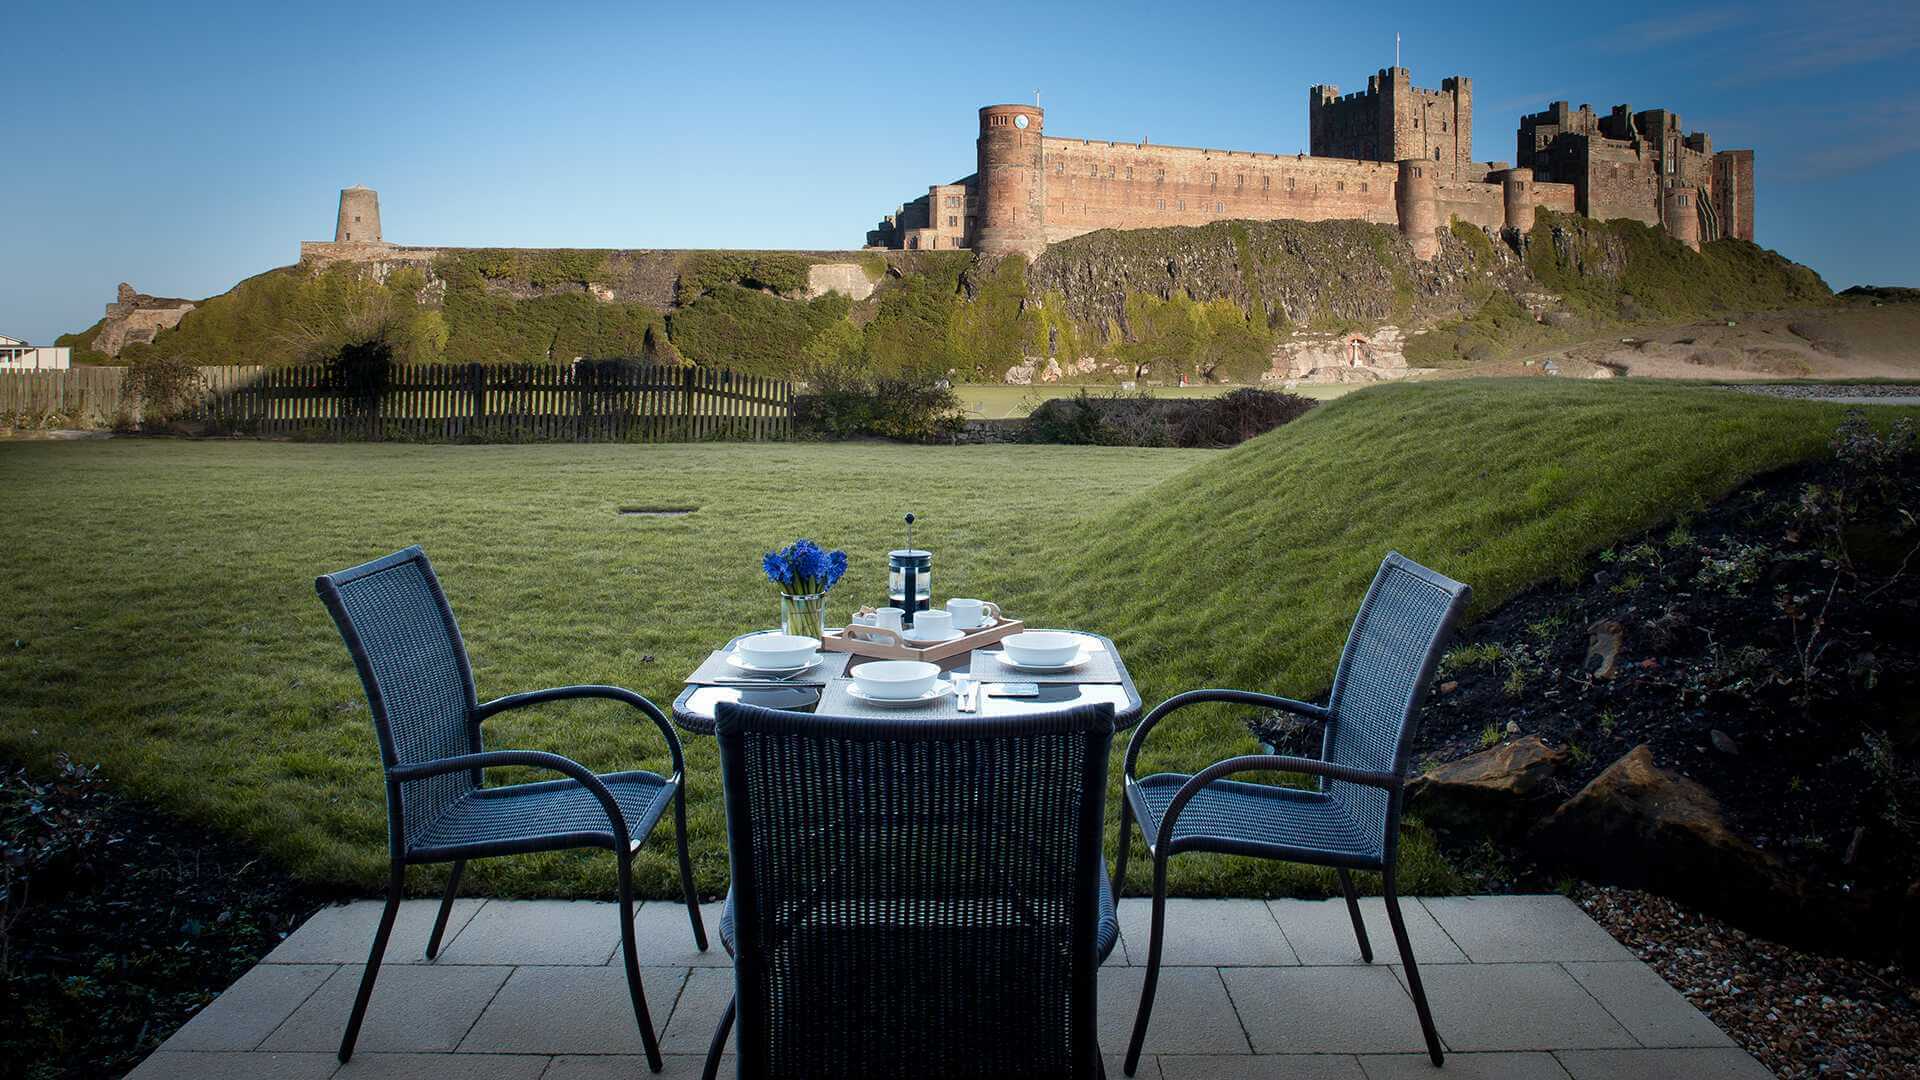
1415	199
1011	182
359	221
1682	216
1516	191
1394	120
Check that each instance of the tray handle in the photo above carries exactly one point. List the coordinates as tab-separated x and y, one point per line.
881	635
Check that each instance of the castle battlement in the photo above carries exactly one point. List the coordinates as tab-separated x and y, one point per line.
1394	153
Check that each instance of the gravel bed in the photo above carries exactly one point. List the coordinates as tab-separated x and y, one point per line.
1902	393
1800	1014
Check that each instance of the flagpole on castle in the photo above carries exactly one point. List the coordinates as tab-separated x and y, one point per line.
1396	48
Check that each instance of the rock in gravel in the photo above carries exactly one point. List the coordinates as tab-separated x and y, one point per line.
1639	825
1724	742
1500	792
1604	639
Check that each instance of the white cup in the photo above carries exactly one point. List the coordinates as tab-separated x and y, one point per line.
972	614
887	618
931	626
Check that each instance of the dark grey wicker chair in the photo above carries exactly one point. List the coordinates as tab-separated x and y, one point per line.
1351	819
915	898
413	664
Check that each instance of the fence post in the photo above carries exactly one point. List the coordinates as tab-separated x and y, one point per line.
686	403
477	389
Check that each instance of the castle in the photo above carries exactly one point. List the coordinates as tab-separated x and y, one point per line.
1395	154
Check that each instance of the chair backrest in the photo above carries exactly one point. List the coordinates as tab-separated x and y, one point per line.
397	625
1396	640
916	897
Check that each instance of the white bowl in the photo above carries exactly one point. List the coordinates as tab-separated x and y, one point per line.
773	652
895	680
1041	648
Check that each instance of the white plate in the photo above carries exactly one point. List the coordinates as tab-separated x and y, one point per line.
1042	669
734	659
942	688
952	635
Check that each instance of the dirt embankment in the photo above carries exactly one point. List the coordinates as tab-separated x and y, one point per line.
1851	340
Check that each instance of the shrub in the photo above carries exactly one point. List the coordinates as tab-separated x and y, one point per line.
750	331
1140	419
1234	418
165	386
842	403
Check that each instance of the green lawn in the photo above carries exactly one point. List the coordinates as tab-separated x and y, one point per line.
999	402
158	613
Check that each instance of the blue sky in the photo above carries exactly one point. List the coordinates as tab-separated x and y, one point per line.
183	147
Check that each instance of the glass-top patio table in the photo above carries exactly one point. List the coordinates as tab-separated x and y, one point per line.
694	709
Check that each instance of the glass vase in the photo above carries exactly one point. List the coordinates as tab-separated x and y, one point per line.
805	615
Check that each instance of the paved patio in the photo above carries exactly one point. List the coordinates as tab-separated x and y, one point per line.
1522	987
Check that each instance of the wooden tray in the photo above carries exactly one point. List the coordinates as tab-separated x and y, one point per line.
884	644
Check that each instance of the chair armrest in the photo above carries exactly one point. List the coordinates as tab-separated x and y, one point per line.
537	759
568	693
1196	697
1271	763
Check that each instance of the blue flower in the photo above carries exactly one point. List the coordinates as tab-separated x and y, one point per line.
777	568
836	566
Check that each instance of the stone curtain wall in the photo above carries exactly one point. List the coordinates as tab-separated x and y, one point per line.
1093	184
1733	192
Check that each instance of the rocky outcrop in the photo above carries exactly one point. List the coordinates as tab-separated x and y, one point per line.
135	317
1499	792
1373	354
1639	825
849	279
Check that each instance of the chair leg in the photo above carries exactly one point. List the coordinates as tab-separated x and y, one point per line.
1120	856
1155	941
395	884
631	950
1413	971
686	866
719	1043
1353	909
446	908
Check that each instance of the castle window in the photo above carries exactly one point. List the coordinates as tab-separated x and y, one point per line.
1416	121
1339	185
1239	180
1266	183
1060	169
1214	179
1436	153
1219	208
1289	183
1160	176
1159	204
1443	125
356	219
1363	187
1129	173
952	222
1093	171
1181	205
1109	172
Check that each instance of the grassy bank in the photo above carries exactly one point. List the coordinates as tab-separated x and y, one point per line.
159	616
1001	402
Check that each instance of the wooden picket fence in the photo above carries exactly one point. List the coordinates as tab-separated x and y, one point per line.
589	402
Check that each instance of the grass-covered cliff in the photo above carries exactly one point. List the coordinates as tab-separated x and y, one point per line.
1210	301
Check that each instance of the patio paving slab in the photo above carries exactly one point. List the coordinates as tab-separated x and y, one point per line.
1516	1007
571	1010
544	932
343	933
243	1017
665	937
1205	933
1654	1012
441	1067
1191	1014
414	1008
1463	1067
1321	932
1522	929
207	1065
622	1067
1522	989
1266	1067
1696	1064
1322	1010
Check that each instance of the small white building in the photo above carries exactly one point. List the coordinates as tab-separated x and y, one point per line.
17	355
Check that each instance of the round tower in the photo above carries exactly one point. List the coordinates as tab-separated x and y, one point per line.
1683	217
359	217
1517	194
1011	182
1414	198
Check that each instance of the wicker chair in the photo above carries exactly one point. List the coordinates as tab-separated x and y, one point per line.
1351	819
413	664
915	898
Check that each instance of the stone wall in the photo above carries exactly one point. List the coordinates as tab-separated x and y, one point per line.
1094	184
135	318
1394	120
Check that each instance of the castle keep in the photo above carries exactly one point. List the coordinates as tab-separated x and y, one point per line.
1394	154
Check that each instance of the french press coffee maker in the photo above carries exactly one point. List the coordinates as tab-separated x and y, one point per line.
910	578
